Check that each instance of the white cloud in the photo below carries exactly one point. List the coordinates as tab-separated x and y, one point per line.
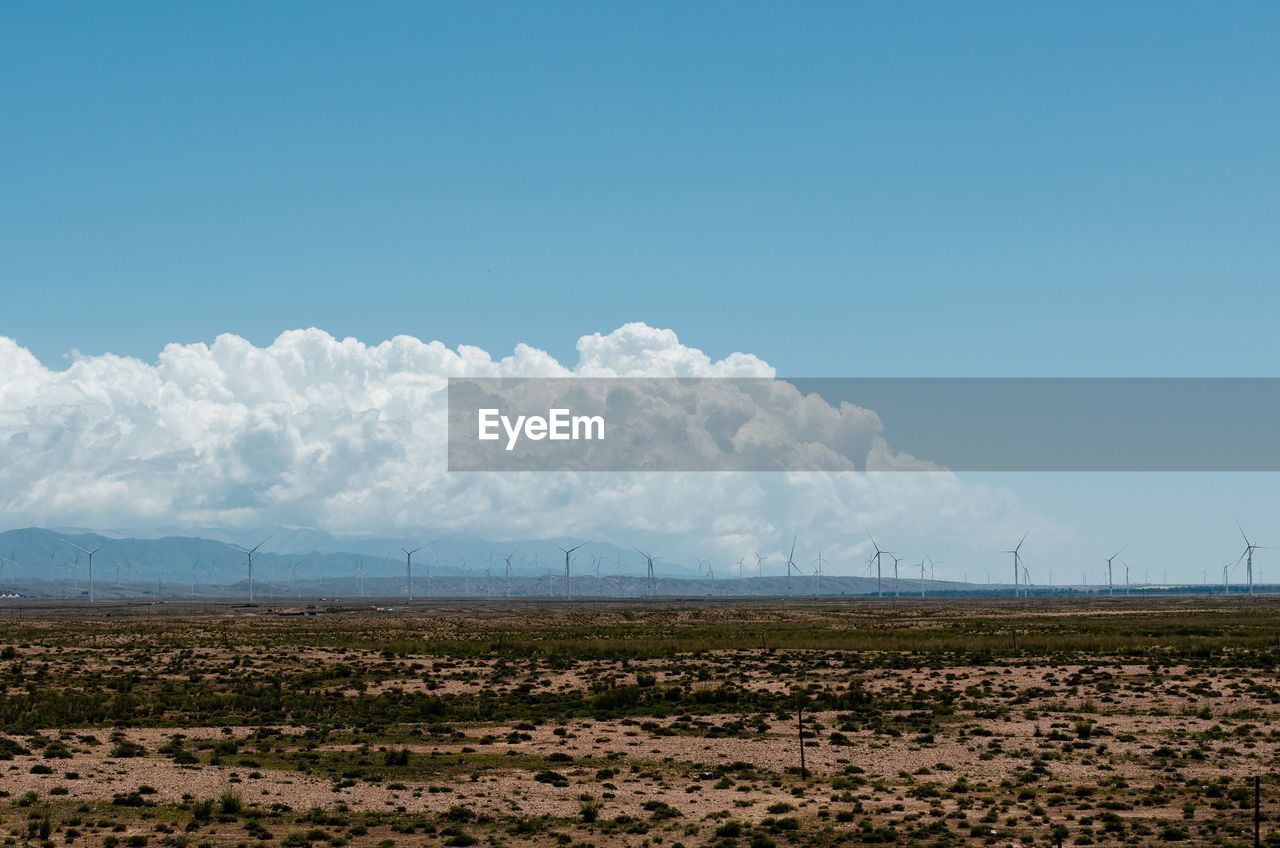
347	437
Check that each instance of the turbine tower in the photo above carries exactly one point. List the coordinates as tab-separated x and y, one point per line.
877	556
1249	548
1111	590
507	560
817	573
649	558
791	564
408	570
90	553
1017	559
568	591
1226	575
249	553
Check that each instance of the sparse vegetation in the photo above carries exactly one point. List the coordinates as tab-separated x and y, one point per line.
650	724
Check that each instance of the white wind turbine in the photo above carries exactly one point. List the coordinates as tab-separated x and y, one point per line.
507	560
649	558
817	573
877	557
249	553
791	564
408	570
1017	559
90	553
1111	589
568	588
1249	548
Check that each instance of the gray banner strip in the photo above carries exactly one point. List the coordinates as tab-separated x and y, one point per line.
859	424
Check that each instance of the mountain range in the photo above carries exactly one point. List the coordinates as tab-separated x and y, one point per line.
43	562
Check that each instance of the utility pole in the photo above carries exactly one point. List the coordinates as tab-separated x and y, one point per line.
1257	811
804	773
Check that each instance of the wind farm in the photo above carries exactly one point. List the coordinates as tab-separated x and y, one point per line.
40	567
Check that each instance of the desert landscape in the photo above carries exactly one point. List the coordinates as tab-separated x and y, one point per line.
963	722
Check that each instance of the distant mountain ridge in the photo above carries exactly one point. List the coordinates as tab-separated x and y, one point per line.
298	562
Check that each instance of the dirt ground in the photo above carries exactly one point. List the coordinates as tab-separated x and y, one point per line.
923	724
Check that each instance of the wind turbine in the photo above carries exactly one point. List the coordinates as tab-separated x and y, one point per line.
649	558
896	559
90	553
1110	585
1249	548
876	556
408	569
568	590
791	564
1017	559
817	574
705	570
249	553
507	560
1226	575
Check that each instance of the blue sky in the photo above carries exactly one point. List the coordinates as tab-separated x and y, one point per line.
839	188
843	188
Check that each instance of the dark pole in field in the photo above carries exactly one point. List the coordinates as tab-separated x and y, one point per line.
1257	811
804	774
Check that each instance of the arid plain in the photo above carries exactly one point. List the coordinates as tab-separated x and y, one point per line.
944	722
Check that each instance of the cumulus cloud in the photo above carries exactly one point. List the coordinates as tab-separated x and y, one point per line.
336	434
